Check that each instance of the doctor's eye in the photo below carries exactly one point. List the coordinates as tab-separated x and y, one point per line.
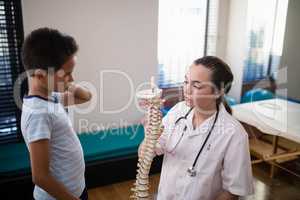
198	85
185	82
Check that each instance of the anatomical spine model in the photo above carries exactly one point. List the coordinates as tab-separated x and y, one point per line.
153	130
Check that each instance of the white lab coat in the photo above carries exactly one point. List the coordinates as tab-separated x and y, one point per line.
224	163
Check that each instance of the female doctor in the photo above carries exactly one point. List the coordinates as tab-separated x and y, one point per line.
206	153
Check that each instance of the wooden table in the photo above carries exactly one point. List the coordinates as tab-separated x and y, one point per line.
275	117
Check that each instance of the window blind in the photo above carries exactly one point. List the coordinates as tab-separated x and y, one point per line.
265	38
11	38
187	30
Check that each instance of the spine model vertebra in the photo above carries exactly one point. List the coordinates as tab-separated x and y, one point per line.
153	129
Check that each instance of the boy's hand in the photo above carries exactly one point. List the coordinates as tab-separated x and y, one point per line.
76	94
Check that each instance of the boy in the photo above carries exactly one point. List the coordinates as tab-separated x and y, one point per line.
57	162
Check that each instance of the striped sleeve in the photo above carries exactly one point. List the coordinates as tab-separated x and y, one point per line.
38	127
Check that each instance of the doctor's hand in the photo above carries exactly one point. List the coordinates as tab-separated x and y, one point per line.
143	104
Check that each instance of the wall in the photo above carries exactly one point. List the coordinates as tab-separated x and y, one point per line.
236	43
112	35
223	15
289	77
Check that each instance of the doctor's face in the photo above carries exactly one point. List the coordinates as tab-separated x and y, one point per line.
199	91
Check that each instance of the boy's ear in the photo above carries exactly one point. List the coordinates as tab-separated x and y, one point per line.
39	73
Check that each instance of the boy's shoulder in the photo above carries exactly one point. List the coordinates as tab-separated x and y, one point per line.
36	105
38	115
36	124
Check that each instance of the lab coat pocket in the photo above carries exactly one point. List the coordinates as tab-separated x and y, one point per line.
208	173
211	161
186	183
198	186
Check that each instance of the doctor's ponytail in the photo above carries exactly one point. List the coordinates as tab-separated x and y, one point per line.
222	76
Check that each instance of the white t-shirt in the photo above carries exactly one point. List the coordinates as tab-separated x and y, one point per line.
47	119
224	163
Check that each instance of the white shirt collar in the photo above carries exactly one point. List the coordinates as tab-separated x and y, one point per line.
205	125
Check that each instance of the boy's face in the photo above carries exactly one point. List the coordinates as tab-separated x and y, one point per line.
63	77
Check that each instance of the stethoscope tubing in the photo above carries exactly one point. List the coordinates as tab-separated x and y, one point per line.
206	139
184	129
191	170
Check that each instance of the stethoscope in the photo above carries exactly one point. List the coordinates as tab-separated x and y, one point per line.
191	170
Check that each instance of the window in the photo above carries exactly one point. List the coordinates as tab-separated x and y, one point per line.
187	30
11	38
265	38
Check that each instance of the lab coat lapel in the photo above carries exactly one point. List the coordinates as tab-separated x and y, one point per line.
202	129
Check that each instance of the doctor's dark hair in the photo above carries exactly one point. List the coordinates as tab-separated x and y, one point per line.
221	77
46	48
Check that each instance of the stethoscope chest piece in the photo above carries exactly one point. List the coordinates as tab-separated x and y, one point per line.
192	172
